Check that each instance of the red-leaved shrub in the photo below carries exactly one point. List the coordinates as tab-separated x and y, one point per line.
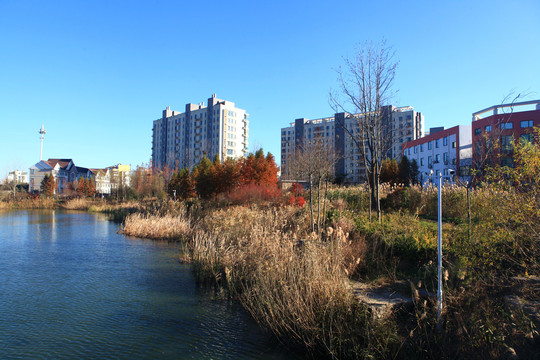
253	194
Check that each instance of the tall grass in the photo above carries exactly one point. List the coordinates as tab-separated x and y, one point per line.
169	227
30	203
292	282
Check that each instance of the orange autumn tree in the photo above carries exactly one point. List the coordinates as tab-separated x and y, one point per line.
211	178
259	170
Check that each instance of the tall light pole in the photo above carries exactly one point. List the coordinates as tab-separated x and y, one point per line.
42	132
439	251
439	245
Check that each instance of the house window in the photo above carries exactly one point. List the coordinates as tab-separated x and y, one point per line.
445	158
430	161
506	126
488	128
421	161
437	143
437	158
453	144
477	131
416	149
421	147
429	146
445	141
526	124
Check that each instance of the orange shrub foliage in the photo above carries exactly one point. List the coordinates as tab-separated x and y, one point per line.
254	194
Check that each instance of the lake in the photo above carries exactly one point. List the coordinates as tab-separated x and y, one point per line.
73	288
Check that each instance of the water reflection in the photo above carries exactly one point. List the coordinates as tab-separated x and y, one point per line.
73	288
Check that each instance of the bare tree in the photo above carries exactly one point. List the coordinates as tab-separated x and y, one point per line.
365	84
314	162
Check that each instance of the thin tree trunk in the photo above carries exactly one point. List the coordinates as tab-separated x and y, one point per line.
311	203
378	200
469	211
318	206
370	197
325	196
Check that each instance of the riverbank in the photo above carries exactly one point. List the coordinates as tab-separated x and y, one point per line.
298	284
314	289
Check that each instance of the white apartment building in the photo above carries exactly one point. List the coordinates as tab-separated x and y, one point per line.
442	151
182	139
18	176
401	124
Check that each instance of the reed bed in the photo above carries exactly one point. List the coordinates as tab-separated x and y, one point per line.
169	227
30	203
292	282
77	204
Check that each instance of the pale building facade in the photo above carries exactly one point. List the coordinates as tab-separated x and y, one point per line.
400	124
181	139
64	171
442	151
18	176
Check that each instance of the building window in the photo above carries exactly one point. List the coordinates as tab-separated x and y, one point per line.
416	149
437	158
488	128
507	161
526	124
526	138
421	147
430	161
445	158
506	143
453	144
429	146
477	131
445	141
421	161
506	126
437	143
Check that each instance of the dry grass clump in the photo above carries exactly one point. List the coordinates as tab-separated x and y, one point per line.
167	227
77	204
296	285
35	203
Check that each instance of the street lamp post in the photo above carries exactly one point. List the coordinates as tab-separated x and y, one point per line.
439	245
439	251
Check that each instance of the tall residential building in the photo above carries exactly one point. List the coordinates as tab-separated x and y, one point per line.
442	151
182	139
405	124
401	124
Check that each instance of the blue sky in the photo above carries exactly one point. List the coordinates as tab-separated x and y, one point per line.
97	73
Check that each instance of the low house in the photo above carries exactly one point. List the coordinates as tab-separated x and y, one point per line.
64	171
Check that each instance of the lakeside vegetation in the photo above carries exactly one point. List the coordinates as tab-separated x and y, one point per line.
259	244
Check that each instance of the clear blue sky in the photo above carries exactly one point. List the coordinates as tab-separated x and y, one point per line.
97	73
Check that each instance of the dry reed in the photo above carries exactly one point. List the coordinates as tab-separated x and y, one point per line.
157	227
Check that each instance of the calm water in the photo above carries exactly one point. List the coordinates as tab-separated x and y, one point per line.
72	288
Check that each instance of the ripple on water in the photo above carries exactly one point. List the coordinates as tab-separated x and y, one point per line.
73	288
